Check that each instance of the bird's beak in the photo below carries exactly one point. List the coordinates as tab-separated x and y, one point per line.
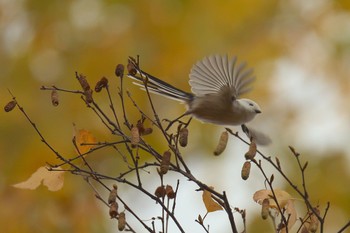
257	111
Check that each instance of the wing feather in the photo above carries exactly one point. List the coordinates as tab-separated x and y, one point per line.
213	73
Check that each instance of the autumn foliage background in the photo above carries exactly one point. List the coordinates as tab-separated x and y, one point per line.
300	52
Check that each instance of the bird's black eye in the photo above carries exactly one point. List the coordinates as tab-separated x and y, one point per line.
250	104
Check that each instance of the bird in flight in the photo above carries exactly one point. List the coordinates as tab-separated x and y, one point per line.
217	83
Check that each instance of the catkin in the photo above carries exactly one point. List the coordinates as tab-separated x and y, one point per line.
135	136
103	83
222	143
121	221
113	210
246	170
165	163
10	106
265	205
113	194
54	98
183	137
252	151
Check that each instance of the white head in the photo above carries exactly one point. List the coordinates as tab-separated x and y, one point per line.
250	106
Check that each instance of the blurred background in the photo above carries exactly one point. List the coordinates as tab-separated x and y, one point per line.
300	51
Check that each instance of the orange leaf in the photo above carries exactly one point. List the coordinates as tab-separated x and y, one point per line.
82	137
209	203
53	180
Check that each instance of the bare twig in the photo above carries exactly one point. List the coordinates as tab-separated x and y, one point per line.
132	155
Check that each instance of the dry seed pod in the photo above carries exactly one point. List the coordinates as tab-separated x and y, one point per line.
245	170
113	210
169	192
164	165
140	126
101	84
142	129
183	137
119	70
83	82
131	67
222	143
10	105
121	221
54	98
147	131
113	194
88	96
252	151
160	192
265	205
135	136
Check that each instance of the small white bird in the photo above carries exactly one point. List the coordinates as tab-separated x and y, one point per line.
216	83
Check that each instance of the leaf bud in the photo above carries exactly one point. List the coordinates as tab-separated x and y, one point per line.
200	219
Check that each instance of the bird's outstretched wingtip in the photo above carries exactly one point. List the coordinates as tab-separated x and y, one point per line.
260	138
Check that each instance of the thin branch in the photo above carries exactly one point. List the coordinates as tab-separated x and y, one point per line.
344	227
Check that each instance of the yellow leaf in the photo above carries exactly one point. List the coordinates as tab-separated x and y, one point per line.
209	203
53	180
82	137
282	197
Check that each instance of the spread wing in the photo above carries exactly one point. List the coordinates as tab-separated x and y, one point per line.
215	72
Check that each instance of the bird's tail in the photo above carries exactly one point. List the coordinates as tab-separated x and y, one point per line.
155	85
